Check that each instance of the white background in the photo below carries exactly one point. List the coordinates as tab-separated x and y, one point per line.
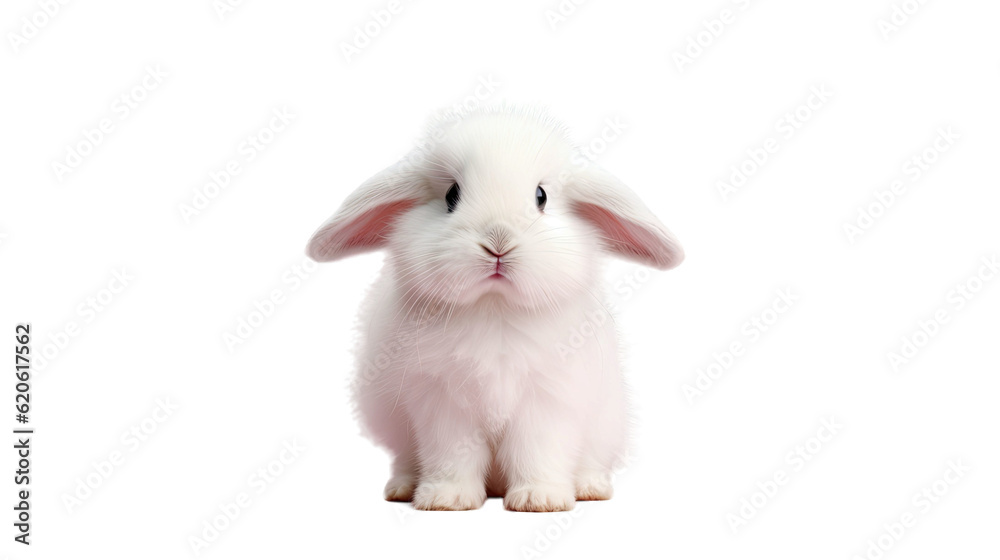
63	237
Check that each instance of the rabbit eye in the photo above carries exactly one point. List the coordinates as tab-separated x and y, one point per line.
540	197
452	197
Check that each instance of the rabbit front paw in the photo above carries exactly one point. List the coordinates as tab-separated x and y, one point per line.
448	496
540	497
399	488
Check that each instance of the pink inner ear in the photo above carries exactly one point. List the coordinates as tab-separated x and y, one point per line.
365	232
624	236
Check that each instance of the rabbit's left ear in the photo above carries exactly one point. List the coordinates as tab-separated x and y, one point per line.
630	230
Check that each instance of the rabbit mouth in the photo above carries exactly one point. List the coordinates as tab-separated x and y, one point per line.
498	273
499	268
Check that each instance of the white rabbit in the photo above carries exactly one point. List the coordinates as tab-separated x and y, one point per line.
494	229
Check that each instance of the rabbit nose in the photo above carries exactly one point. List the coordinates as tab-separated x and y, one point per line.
499	241
493	252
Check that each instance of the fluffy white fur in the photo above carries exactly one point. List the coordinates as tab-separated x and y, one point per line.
466	373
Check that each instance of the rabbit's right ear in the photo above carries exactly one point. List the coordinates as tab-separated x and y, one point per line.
364	220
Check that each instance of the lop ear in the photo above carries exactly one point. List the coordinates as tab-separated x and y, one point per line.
365	218
629	228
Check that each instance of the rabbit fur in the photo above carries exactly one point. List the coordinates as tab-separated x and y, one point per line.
465	371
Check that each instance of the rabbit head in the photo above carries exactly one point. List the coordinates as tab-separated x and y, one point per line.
499	205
